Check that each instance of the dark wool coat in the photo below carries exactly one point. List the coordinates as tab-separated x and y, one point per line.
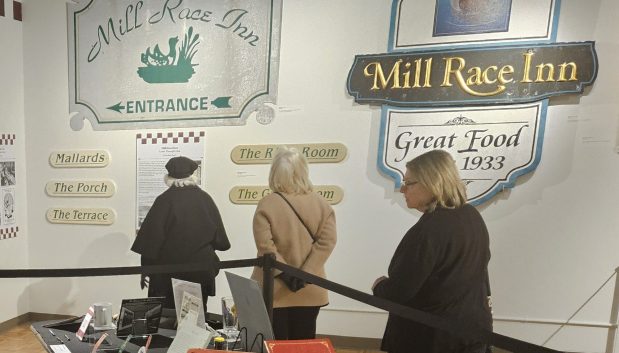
182	226
440	267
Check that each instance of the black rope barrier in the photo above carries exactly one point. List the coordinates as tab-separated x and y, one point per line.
133	270
466	330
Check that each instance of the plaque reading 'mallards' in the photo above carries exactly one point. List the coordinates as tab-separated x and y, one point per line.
79	159
499	74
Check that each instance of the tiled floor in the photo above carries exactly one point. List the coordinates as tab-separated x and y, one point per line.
20	339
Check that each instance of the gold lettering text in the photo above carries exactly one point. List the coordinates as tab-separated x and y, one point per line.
563	66
540	72
527	67
379	75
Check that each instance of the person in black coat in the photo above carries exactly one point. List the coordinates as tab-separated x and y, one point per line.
441	264
182	226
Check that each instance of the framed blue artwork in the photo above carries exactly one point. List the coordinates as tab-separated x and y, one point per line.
456	17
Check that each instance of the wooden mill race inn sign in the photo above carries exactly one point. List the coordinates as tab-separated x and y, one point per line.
477	86
165	63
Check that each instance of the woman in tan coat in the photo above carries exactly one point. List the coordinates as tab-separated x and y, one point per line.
303	239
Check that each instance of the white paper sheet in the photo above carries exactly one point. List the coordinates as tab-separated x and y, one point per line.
189	335
152	155
188	295
59	348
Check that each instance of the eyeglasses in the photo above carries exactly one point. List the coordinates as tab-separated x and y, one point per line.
409	182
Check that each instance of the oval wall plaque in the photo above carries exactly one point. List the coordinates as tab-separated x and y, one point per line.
97	216
251	195
79	159
314	152
80	188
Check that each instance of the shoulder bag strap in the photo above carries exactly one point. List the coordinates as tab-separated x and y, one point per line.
300	219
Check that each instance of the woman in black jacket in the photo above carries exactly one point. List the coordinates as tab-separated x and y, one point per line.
441	264
182	226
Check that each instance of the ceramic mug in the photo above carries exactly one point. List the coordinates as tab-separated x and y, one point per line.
103	315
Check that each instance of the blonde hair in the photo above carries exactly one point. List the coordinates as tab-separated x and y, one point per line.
289	172
436	171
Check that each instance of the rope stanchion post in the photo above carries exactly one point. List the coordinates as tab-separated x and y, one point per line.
611	340
268	260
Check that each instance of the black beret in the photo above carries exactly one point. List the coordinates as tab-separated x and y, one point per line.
181	167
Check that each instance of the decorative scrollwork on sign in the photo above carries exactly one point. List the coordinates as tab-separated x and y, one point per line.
460	120
172	63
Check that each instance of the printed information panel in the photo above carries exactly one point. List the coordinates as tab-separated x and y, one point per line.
153	151
8	186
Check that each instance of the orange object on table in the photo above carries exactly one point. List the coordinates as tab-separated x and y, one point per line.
318	345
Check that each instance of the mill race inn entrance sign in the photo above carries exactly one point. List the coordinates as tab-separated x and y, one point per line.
169	63
471	78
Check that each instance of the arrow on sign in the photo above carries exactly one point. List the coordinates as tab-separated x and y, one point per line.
117	107
221	102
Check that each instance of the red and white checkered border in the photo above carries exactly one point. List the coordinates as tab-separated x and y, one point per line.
7	233
7	139
17	9
161	138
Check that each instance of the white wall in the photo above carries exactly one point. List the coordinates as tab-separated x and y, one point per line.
14	251
553	236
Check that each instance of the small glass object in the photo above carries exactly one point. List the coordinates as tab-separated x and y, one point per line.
228	313
230	321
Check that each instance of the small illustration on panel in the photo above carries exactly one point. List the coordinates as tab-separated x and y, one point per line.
456	17
7	173
8	207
